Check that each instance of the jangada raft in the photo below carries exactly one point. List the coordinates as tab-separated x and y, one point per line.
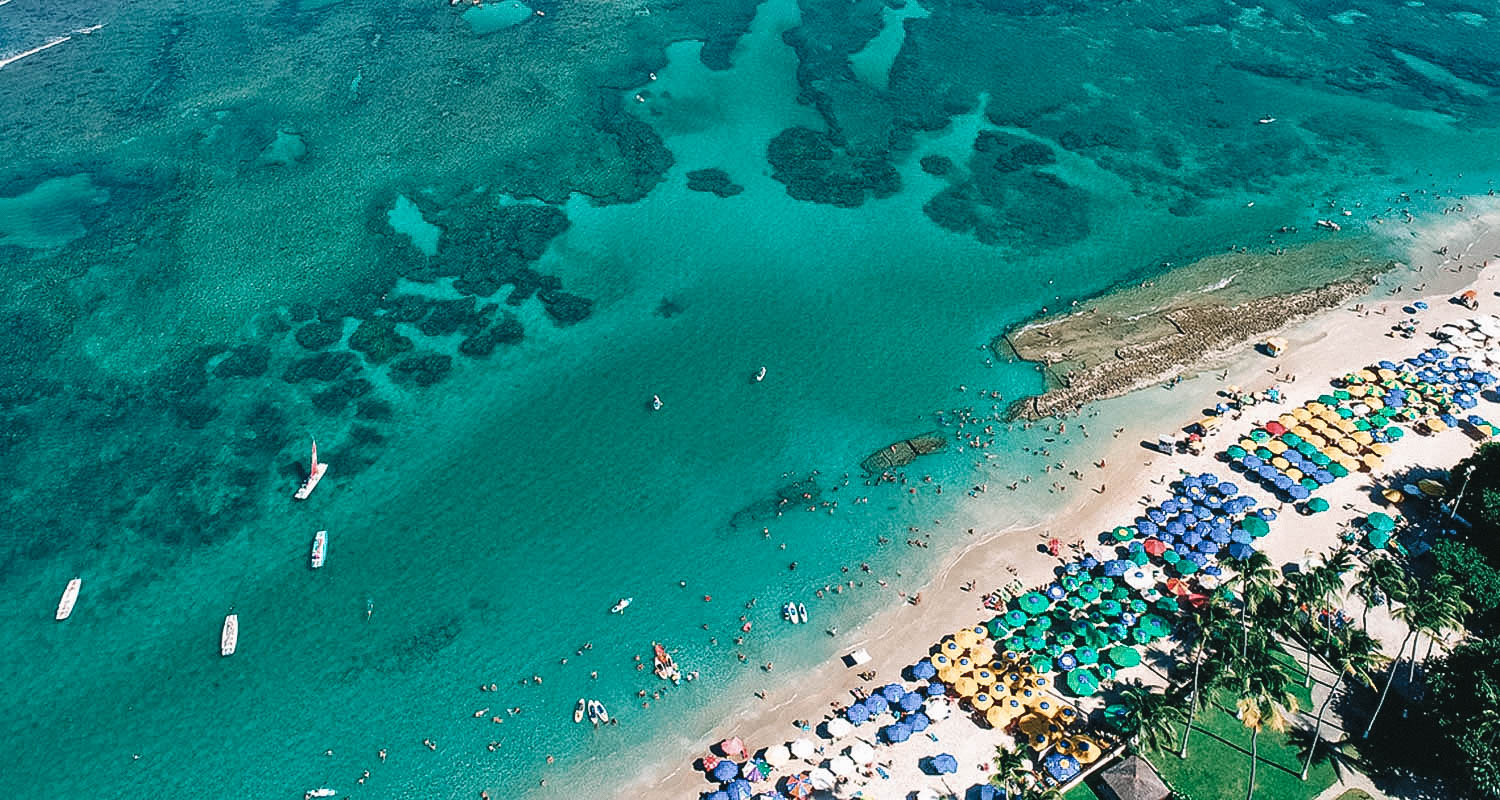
903	452
314	474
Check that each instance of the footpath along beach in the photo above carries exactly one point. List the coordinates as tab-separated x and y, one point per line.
1445	258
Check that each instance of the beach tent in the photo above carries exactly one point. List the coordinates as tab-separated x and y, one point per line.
1062	768
944	764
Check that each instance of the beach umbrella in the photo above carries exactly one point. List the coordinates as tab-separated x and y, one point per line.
1066	661
857	713
910	702
776	755
1086	656
1240	551
944	764
739	790
965	687
841	765
839	727
719	795
878	704
1379	539
1255	525
1015	618
1154	547
726	770
803	748
860	753
937	709
1033	603
1122	656
821	779
733	747
1056	592
1317	505
753	772
922	670
898	732
892	692
936	690
918	722
1041	663
1380	521
797	786
984	791
1082	682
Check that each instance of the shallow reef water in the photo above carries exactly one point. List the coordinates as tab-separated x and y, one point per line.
462	249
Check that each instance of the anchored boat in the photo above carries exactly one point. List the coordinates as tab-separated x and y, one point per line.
315	474
597	714
622	605
69	597
319	548
579	709
229	637
664	667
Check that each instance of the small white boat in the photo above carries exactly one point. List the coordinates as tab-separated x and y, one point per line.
801	613
229	637
597	714
314	474
319	549
69	597
622	605
656	402
1266	120
323	792
579	709
760	375
1330	225
789	611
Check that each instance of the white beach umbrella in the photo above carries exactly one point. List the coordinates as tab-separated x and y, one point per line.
776	755
841	765
1138	579
928	793
803	748
861	753
821	779
838	727
937	709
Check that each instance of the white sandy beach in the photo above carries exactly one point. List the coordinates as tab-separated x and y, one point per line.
1324	347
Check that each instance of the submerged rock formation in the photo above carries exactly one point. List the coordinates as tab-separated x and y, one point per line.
901	453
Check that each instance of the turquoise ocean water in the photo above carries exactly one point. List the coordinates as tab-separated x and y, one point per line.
463	248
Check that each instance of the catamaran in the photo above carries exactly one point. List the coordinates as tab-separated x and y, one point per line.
319	548
597	714
664	667
229	637
314	474
69	597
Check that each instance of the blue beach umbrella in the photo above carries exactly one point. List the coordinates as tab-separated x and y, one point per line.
1240	551
898	732
911	701
936	689
892	692
726	770
718	795
922	670
918	722
944	764
877	704
739	790
858	713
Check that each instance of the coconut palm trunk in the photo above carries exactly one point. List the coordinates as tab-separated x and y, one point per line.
1192	700
1254	757
1317	737
1390	676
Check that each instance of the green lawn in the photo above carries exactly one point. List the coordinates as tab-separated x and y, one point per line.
1218	762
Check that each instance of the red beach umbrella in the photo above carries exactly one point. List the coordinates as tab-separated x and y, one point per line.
1275	428
709	762
1154	547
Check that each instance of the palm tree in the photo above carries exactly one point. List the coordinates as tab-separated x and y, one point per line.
1211	619
1256	582
1358	655
1010	766
1150	717
1337	754
1263	696
1381	576
1438	607
1408	614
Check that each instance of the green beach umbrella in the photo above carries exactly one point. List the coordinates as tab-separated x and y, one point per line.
1317	505
1309	484
1041	663
1075	602
1038	626
1140	558
1016	643
1086	655
1110	608
1171	557
1082	682
997	627
1120	593
1065	638
1124	533
1380	521
1071	582
1107	672
1054	650
1088	592
1361	424
1264	454
1255	526
1154	625
1394	432
1328	400
1035	643
1104	583
1379	539
1138	606
1186	566
1341	394
1033	602
1169	604
1122	656
1015	618
1319	459
1336	469
1235	451
1260	435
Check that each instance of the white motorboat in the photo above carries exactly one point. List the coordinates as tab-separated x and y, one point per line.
1330	225
760	375
322	792
622	605
789	612
579	709
69	597
229	637
597	714
801	613
319	548
656	402
1266	120
314	474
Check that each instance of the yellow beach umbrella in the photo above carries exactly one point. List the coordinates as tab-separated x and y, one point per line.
1387	374
1301	414
1248	444
1288	420
981	633
1294	473
1349	464
1280	463
949	674
1086	750
951	648
1357	391
982	653
964	663
1375	403
965	687
1013	679
982	701
1380	449
1363	437
964	639
984	677
1315	407
1348	445
1315	440
1067	715
1276	446
1041	682
941	660
1372	462
1036	725
1346	425
1393	495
